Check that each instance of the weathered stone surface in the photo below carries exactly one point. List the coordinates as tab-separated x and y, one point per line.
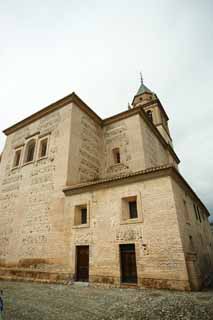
38	231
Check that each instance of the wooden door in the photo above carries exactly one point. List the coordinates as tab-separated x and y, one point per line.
128	263
82	256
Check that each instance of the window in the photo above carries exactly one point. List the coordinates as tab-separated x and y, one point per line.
149	114
130	208
116	154
133	209
186	213
43	148
81	215
191	244
17	158
197	213
195	210
199	216
30	151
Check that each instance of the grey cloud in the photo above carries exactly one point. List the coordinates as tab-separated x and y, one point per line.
97	48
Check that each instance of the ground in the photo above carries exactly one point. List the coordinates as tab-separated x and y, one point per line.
27	301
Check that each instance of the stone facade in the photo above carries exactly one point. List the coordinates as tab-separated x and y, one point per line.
64	164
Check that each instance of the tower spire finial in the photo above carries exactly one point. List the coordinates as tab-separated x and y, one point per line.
141	76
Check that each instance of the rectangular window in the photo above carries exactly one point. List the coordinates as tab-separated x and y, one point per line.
83	215
133	209
195	210
191	244
186	213
198	212
130	208
116	155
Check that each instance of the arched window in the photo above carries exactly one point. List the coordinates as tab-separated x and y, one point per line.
43	146
30	151
17	158
149	114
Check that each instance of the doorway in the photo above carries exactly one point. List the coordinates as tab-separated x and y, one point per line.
128	263
82	265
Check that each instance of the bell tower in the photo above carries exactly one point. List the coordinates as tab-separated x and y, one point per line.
149	102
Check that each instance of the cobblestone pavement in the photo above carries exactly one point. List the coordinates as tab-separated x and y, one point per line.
27	301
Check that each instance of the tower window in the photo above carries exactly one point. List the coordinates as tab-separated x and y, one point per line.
30	151
43	148
17	159
195	210
116	154
149	114
199	215
186	213
191	244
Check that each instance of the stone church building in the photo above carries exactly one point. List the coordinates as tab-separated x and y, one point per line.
100	200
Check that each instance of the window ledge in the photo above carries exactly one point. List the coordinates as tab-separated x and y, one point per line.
131	221
79	226
117	165
15	168
42	158
26	163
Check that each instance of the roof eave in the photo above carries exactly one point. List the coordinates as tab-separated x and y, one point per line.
150	173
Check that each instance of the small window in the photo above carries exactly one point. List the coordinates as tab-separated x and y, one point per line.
129	208
116	154
43	148
195	211
199	215
191	244
149	114
186	213
17	159
81	215
133	209
30	151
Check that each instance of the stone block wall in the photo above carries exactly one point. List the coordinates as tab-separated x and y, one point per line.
155	153
85	148
125	135
159	252
32	229
195	233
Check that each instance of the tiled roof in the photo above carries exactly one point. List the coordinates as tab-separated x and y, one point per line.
143	89
115	178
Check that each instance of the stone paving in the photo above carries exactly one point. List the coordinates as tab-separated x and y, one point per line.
27	301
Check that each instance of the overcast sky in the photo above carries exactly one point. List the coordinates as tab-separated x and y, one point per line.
97	49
